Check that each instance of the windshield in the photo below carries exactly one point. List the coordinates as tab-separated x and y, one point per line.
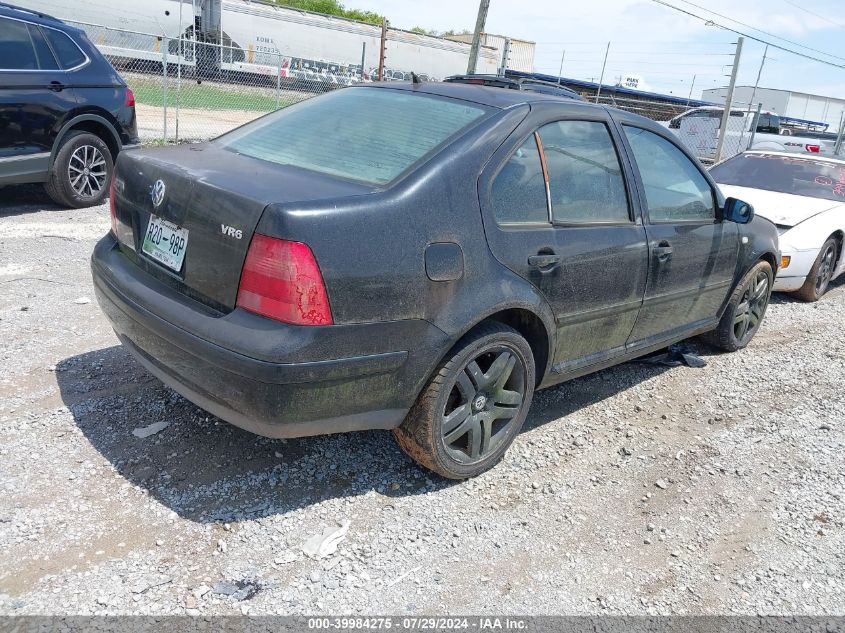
784	174
366	134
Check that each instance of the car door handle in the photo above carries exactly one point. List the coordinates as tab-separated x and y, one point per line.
663	251
56	86
543	262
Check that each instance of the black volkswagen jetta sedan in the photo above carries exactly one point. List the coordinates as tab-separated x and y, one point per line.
421	257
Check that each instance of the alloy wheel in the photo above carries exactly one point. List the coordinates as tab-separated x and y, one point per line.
483	403
825	270
749	313
87	171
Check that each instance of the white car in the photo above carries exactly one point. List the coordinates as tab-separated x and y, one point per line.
805	197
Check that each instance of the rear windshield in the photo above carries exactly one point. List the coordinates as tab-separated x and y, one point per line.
366	134
784	174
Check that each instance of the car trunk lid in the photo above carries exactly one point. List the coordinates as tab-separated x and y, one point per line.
218	197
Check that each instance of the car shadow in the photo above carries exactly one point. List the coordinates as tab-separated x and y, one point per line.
22	199
206	470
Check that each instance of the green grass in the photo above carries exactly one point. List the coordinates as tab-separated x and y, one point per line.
193	95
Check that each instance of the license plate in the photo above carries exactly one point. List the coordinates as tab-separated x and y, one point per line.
165	242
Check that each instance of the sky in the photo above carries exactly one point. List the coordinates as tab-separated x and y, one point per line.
666	48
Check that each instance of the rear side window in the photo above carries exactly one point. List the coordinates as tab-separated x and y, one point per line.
674	187
519	190
371	135
46	61
16	49
585	176
67	51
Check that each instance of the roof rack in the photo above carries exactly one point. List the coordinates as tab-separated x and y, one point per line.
38	14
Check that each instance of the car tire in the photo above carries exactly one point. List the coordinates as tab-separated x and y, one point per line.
821	274
745	310
473	406
81	172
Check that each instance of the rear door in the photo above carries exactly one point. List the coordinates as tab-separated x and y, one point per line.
693	253
558	212
34	100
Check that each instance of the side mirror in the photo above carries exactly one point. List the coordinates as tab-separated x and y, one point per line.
737	211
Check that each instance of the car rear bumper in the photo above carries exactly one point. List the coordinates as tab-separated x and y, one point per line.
272	379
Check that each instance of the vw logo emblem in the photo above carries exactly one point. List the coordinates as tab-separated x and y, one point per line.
157	193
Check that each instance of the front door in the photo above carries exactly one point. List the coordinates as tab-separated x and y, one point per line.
559	214
33	99
693	253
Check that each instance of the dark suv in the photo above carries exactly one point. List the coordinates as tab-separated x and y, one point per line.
65	113
421	257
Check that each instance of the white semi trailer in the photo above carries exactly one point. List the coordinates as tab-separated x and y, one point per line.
255	37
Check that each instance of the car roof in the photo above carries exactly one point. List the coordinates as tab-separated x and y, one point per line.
36	17
830	159
485	95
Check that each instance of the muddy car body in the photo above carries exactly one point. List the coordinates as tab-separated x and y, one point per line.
427	289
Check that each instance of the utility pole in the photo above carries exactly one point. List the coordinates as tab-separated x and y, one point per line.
837	148
506	54
381	50
759	74
560	72
691	86
729	98
603	66
483	7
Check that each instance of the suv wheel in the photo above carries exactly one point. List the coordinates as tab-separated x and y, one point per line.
81	172
821	273
745	311
474	406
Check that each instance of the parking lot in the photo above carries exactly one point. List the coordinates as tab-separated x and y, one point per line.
640	489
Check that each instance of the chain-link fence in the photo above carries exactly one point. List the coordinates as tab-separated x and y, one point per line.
191	90
187	90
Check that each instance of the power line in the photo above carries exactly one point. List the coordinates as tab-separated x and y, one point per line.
813	13
751	37
783	39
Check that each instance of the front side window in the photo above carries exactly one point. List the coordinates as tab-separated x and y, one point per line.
371	135
674	187
585	176
67	51
519	189
16	49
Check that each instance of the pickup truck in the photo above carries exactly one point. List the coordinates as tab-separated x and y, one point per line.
769	134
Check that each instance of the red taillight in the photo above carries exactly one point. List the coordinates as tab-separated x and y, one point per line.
130	97
281	280
112	210
813	149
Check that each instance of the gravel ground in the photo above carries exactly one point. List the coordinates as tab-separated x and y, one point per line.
640	489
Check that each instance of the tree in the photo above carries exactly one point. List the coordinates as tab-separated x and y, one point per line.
332	7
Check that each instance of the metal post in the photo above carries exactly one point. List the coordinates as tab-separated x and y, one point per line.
729	98
754	123
759	74
180	52
691	86
506	53
363	58
560	71
381	50
278	80
838	146
178	85
603	67
480	21
164	47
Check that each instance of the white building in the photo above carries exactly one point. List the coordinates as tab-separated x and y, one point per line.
796	105
520	56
